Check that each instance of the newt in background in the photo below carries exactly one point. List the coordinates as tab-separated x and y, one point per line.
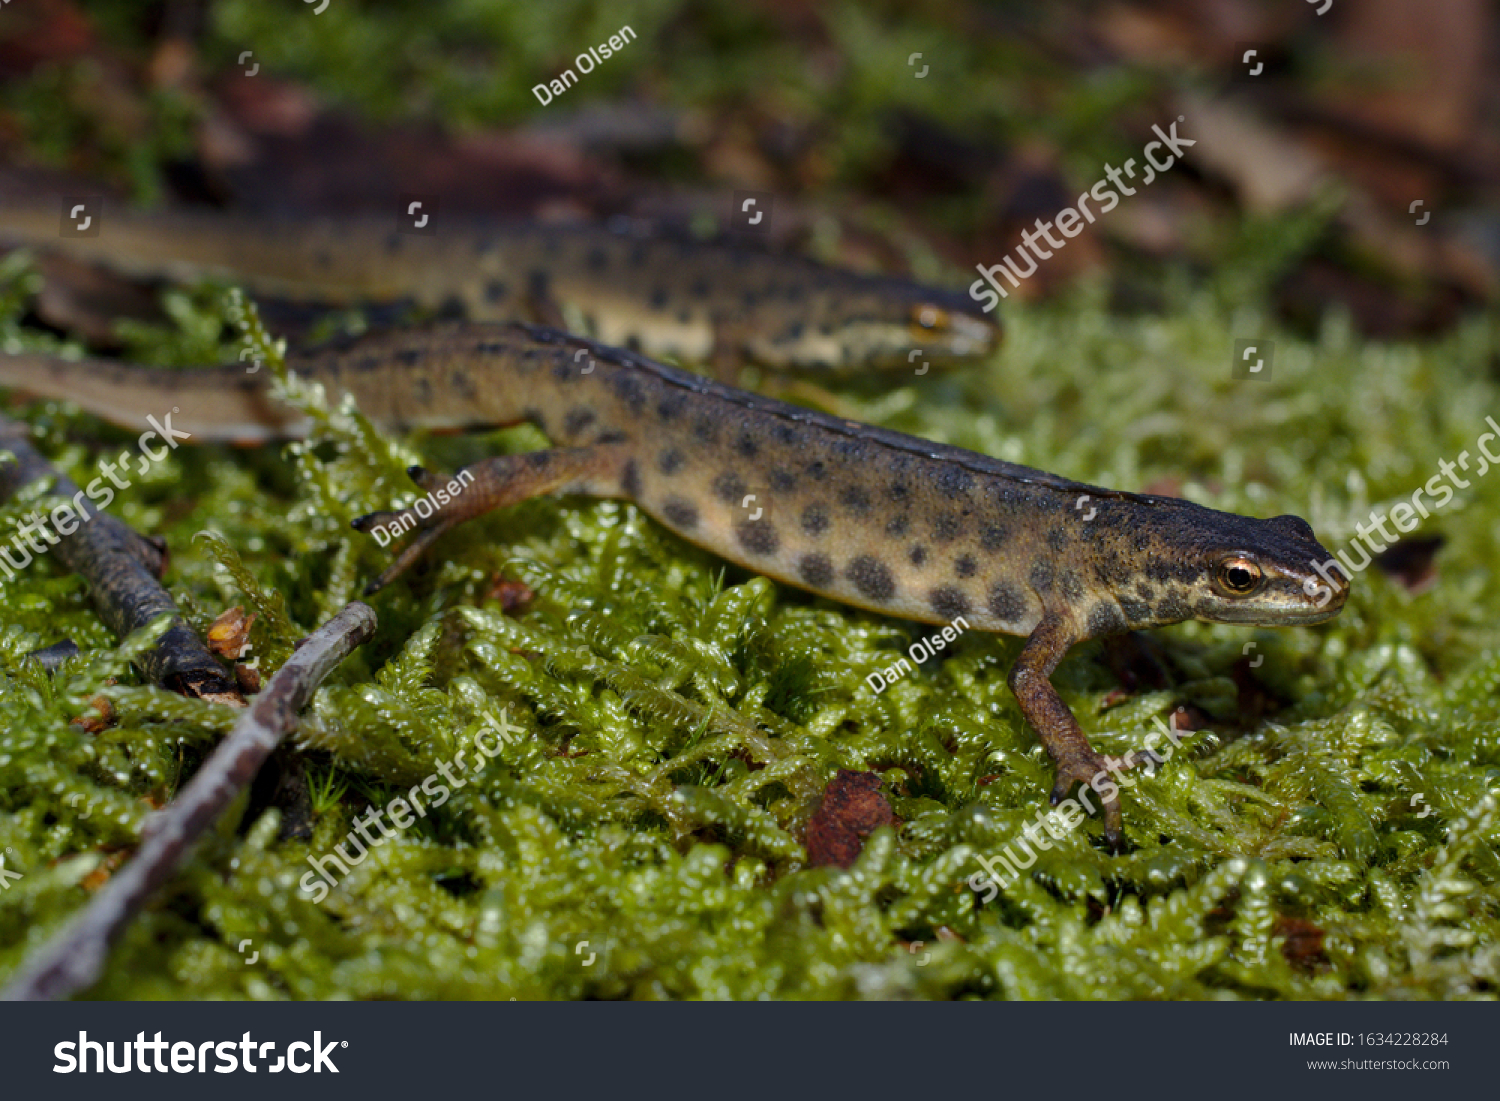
862	515
700	303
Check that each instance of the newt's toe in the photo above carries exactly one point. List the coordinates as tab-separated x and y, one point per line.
1084	770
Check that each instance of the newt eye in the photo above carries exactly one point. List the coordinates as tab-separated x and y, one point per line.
1239	575
928	319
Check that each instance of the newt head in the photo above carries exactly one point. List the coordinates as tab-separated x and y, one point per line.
946	330
879	322
1271	573
1174	560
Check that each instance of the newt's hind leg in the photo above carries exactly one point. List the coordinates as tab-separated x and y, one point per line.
490	484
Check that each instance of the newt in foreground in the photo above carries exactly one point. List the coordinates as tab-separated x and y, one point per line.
698	302
862	515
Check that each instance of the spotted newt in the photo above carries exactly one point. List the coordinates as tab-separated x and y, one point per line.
859	514
697	302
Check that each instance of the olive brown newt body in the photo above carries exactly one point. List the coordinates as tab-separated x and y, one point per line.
699	303
862	515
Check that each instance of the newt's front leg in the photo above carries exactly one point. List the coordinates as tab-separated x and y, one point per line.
490	484
1062	737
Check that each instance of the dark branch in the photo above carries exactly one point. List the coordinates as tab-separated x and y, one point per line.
74	959
122	569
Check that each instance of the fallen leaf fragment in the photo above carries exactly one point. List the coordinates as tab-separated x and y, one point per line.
852	809
229	635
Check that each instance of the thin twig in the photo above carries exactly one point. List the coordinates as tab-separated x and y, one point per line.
74	959
122	569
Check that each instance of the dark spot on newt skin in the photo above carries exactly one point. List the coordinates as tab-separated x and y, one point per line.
1071	585
424	389
852	452
814	520
1041	577
954	480
898	491
577	420
628	388
1145	592
658	298
684	316
1006	605
992	537
464	386
795	330
871	577
1174	571
408	357
630	480
668	408
700	288
1105	619
758	536
453	306
945	529
539	460
948	602
816	570
633	342
729	489
855	499
680	513
817	470
1057	539
369	363
706	429
393	242
1117	570
495	290
966	566
918	555
783	481
670	461
1172	606
897	526
1136	611
747	445
614	435
785	433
